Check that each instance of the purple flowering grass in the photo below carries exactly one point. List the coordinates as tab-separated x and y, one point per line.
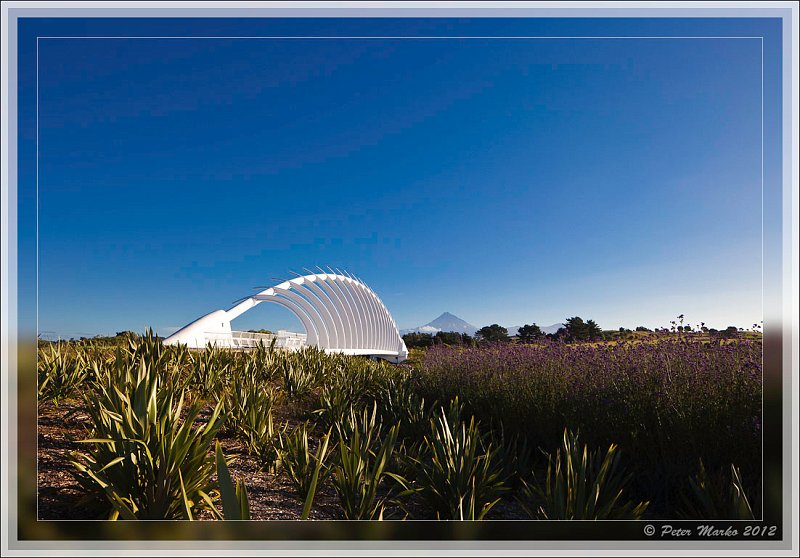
667	403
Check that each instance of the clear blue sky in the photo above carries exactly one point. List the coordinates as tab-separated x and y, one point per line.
509	181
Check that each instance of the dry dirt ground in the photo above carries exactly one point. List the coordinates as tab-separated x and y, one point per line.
271	496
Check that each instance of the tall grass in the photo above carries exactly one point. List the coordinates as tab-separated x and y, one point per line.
665	403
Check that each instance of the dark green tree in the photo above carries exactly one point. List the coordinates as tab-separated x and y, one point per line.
493	332
448	338
529	333
731	332
593	330
559	335
418	340
576	329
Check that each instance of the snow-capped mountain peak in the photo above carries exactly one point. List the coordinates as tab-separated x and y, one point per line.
445	322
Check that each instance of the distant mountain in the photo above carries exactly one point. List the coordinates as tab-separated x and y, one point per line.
449	322
512	330
445	322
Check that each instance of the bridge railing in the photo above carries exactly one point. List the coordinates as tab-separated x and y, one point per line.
282	339
250	340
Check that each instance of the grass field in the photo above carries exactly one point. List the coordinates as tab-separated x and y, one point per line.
649	427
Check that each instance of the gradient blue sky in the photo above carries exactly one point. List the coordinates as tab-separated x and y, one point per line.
509	181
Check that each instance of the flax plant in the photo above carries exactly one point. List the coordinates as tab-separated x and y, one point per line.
209	370
582	484
361	465
60	373
716	496
248	405
297	380
235	502
306	470
460	476
143	458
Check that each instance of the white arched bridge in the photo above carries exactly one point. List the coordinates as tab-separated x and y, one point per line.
338	311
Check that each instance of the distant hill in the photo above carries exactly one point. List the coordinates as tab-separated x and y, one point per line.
445	322
512	330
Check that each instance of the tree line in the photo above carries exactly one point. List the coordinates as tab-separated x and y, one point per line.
575	329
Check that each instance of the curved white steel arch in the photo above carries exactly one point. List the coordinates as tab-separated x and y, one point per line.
348	320
335	324
339	312
322	309
355	311
290	300
366	312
